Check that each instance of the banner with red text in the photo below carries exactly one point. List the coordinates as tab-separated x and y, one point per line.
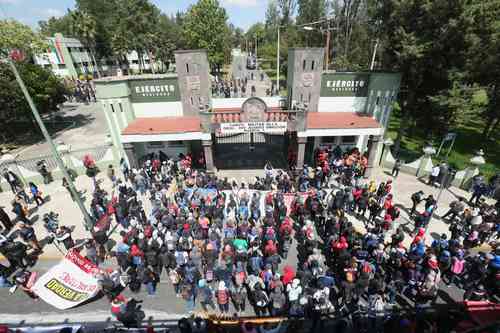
69	283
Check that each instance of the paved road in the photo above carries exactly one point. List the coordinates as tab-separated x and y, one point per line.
240	71
86	127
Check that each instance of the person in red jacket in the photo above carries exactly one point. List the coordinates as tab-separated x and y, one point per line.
288	275
270	248
340	245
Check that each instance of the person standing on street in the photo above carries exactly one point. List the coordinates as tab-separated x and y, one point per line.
13	180
434	175
5	219
416	198
19	210
456	208
36	193
396	168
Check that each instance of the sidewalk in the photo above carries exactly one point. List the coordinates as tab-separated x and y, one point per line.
59	201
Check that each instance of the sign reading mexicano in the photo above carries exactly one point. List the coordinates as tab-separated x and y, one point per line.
344	84
262	127
156	90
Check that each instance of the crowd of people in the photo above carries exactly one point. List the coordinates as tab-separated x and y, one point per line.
238	87
226	245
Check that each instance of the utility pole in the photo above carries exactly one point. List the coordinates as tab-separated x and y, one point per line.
374	54
87	219
327	48
278	64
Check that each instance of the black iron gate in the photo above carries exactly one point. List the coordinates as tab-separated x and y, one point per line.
249	150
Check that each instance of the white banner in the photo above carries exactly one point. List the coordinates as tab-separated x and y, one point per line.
69	283
261	127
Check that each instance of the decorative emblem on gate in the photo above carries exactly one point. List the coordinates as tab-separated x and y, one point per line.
254	109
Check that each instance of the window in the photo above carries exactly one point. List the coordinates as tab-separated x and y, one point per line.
312	65
62	66
187	71
309	98
301	97
348	139
120	105
191	100
304	65
377	101
135	62
328	139
112	108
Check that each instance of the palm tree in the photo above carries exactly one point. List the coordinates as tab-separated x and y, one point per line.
84	27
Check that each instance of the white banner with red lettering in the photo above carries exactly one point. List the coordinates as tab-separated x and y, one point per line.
69	283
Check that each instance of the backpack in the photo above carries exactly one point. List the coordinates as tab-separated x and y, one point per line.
185	244
458	266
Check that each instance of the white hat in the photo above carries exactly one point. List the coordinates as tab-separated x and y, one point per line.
141	235
295	283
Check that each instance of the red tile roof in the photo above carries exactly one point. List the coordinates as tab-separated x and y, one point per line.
325	120
163	125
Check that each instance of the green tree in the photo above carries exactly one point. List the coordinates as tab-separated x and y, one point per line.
46	89
423	40
54	25
83	27
482	65
311	11
17	36
105	14
205	27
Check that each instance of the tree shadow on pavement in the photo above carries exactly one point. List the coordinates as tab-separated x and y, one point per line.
27	133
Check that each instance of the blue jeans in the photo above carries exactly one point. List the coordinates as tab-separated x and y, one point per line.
190	304
150	286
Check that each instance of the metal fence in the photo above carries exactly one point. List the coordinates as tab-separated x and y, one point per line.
31	163
97	153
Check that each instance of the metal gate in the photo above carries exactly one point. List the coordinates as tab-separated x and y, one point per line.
248	150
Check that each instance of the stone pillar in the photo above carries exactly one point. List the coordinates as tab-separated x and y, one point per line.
372	154
131	157
301	151
209	158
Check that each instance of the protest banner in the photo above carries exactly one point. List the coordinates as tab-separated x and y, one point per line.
69	283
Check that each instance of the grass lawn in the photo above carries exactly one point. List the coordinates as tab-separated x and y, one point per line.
468	141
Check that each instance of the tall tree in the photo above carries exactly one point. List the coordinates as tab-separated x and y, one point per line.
311	11
422	40
56	25
482	65
205	26
17	36
83	27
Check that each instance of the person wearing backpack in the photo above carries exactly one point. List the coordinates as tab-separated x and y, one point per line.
457	268
206	295
223	297
261	300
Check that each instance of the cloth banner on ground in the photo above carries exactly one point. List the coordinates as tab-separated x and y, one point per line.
69	283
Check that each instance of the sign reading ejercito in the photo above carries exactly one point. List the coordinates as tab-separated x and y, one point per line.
157	90
344	84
